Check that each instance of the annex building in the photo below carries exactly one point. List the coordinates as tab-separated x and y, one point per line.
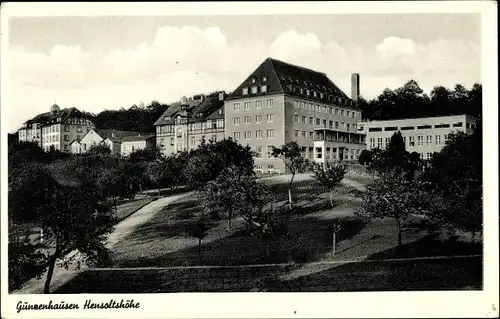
424	135
185	124
56	128
281	102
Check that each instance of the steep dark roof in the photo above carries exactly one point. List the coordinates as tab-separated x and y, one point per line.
197	110
51	117
285	78
137	138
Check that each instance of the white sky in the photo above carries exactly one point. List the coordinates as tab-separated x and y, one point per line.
97	63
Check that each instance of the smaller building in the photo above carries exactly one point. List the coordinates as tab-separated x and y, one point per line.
111	138
424	135
130	144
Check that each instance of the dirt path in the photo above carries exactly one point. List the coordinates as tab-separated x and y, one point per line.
122	229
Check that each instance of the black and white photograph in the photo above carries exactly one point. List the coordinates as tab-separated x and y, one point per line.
266	149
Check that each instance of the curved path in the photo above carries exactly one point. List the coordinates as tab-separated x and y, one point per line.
122	230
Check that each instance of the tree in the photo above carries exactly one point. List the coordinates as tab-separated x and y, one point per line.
394	196
200	231
76	219
365	158
98	149
290	154
395	157
155	171
25	261
330	176
232	193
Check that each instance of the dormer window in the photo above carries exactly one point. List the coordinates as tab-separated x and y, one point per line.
220	111
264	79
263	88
254	90
314	93
307	92
253	80
245	91
321	95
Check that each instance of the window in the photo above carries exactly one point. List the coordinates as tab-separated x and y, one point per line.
296	104
412	141
263	88
253	80
438	139
319	152
259	152
258	134
270	133
65	147
429	155
258	104
296	118
327	153
429	140
248	135
311	120
245	91
304	119
264	79
236	106
445	138
269	103
424	127
270	166
214	138
66	138
441	125
341	112
269	152
420	140
258	118
407	128
236	121
270	117
387	141
236	136
254	90
336	125
459	124
318	121
372	143
311	135
248	119
354	116
179	132
390	128
79	129
296	133
220	123
330	124
78	137
421	155
379	142
342	125
375	129
258	167
193	140
324	123
247	105
348	113
304	134
348	126
336	111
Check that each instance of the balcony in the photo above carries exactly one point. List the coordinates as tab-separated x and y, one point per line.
338	136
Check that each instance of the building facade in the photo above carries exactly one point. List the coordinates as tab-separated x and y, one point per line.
185	124
422	135
57	128
280	102
110	138
130	144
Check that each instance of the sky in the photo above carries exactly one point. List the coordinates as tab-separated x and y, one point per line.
107	62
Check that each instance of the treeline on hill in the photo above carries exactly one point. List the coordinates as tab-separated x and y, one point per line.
410	101
137	118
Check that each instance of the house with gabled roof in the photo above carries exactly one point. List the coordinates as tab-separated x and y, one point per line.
185	124
57	128
280	102
109	137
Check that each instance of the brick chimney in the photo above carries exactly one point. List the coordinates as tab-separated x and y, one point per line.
222	96
355	87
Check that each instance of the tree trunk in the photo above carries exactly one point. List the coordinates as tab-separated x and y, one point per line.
331	197
52	264
140	188
400	235
199	248
290	192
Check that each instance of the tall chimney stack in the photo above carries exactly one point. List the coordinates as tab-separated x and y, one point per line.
355	87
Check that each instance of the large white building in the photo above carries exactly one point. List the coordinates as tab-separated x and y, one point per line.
424	135
110	138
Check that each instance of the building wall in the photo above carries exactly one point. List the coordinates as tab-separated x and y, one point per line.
89	140
60	135
115	147
128	147
275	125
431	131
76	148
32	134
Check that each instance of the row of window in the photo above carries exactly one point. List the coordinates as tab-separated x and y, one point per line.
258	134
318	122
323	109
258	104
194	139
255	89
208	125
419	127
379	142
258	119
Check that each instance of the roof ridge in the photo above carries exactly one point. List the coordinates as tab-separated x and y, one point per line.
295	65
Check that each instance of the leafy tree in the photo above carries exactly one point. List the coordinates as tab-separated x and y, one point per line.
25	261
330	176
365	158
200	231
155	171
99	149
25	152
232	193
145	155
290	154
395	157
76	219
394	196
